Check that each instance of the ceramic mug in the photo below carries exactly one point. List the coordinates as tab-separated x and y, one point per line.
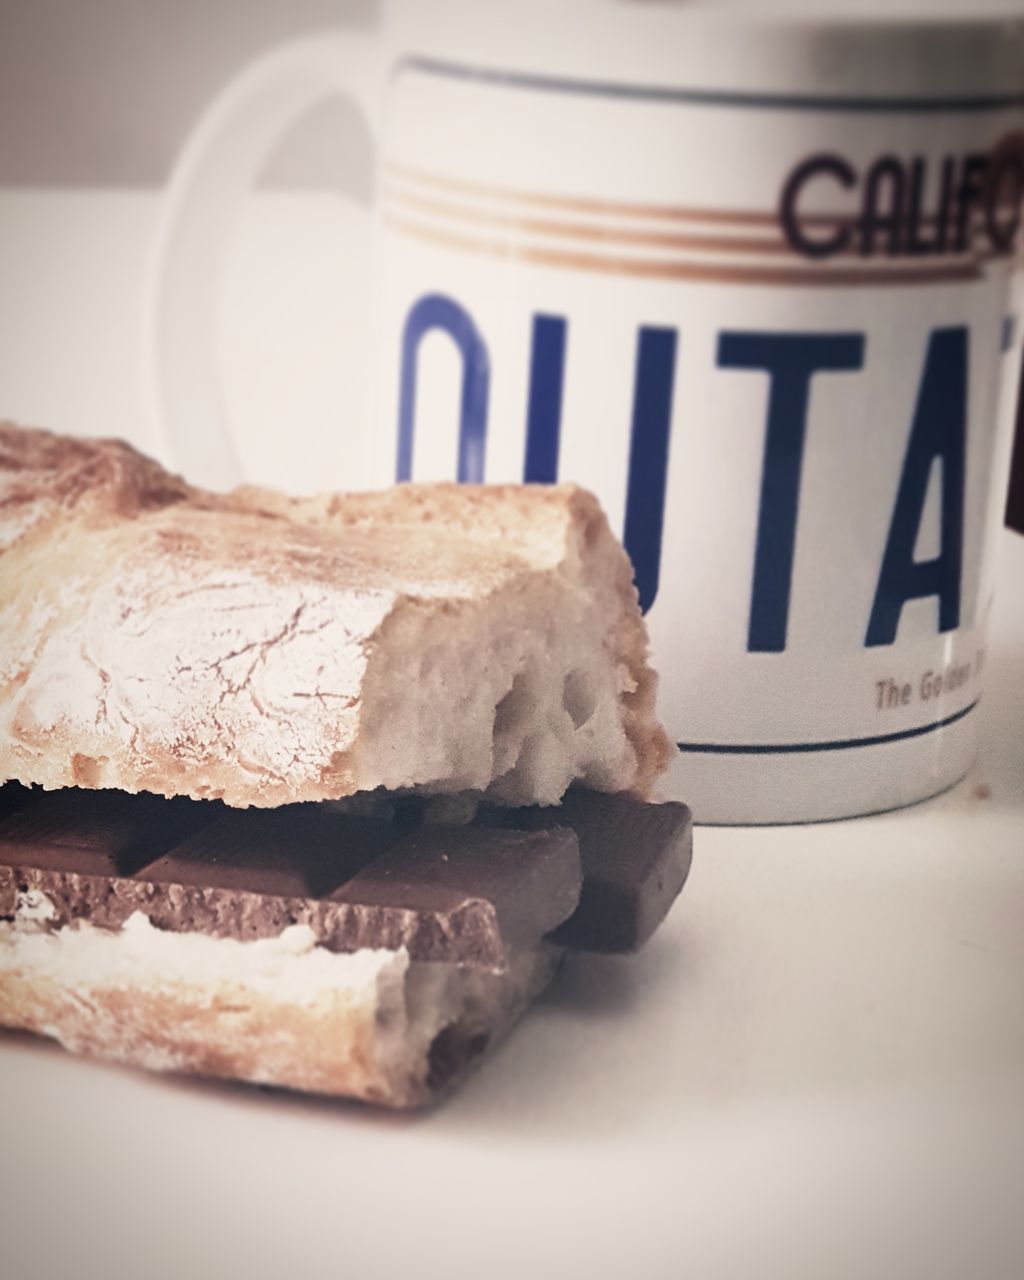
752	279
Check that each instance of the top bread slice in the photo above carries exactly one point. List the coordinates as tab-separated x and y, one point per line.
264	650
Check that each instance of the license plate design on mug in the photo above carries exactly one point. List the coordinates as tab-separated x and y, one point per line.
786	398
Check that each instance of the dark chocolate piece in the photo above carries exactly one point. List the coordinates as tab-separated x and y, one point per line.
299	851
71	844
102	832
636	857
444	894
464	894
479	887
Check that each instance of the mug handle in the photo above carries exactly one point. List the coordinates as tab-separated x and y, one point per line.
218	165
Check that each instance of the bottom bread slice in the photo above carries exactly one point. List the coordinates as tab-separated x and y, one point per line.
279	1011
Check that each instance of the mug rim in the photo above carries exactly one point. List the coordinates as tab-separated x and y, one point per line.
746	15
831	56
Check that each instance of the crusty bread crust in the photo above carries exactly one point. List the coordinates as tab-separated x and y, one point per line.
264	650
380	1029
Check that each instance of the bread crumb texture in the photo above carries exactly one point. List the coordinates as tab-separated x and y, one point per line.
264	649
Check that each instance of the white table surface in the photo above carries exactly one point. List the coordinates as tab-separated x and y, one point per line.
816	1069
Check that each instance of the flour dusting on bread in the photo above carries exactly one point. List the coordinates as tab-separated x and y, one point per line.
264	650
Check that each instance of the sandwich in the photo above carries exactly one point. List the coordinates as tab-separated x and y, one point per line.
313	792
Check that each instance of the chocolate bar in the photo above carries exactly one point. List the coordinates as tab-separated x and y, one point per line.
635	859
597	873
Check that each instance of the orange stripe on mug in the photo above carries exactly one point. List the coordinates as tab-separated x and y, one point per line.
613	208
673	269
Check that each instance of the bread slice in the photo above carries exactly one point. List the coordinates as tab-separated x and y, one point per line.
280	1011
265	650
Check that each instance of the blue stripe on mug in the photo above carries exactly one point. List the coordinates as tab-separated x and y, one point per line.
838	744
